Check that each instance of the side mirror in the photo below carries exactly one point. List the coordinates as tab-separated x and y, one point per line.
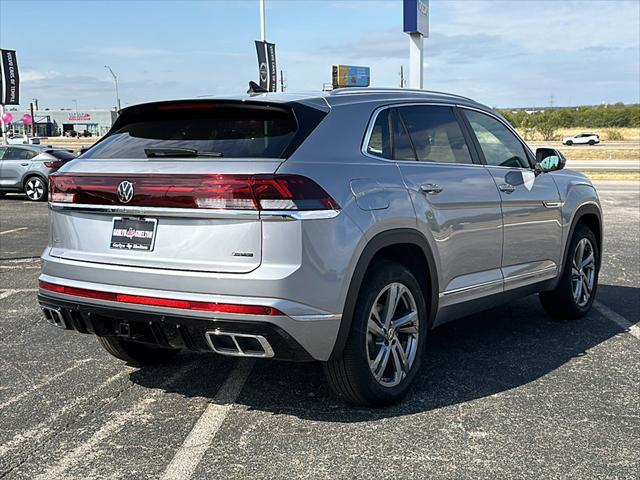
549	160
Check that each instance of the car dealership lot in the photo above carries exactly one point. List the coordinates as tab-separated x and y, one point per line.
505	393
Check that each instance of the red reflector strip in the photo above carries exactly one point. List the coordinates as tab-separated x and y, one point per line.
162	302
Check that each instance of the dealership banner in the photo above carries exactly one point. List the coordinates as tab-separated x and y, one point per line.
10	79
267	65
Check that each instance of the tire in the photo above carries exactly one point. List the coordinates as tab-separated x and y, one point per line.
2	194
592	142
136	354
569	142
35	188
569	300
351	375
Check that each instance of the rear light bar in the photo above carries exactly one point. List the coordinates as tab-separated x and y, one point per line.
236	192
161	302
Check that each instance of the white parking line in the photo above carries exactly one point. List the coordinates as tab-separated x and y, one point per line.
626	325
190	453
118	421
33	435
14	230
33	388
4	293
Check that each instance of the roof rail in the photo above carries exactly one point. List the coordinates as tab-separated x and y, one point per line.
372	90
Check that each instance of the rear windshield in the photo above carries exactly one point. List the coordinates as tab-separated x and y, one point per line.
61	154
233	132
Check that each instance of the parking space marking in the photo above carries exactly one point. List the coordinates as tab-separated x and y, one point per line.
4	293
38	386
14	230
190	453
626	325
33	435
118	421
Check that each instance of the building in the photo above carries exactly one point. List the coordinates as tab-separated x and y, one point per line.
53	123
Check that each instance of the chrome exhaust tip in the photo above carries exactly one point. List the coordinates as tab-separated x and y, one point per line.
54	317
239	344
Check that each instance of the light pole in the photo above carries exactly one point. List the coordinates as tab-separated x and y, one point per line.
115	79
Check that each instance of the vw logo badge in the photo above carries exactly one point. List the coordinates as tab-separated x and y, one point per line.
125	191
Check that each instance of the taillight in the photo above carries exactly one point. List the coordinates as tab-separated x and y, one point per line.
54	164
161	302
237	192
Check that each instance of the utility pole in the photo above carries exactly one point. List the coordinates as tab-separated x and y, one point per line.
115	79
281	81
402	83
33	121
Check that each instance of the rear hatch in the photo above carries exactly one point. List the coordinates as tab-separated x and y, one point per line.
181	185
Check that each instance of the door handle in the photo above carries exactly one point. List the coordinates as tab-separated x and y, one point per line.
430	188
506	188
24	164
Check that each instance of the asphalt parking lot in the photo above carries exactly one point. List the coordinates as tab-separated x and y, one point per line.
507	393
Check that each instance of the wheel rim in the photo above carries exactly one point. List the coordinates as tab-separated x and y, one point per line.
583	272
34	189
392	334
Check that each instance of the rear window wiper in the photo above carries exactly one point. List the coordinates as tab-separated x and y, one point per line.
178	152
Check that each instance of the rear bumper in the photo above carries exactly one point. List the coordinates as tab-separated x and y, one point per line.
301	337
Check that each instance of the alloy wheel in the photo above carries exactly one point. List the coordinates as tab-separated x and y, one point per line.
34	189
583	272
392	334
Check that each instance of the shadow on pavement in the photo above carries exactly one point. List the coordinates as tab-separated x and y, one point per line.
474	357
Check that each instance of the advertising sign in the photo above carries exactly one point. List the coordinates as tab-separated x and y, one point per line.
267	65
415	15
10	84
350	76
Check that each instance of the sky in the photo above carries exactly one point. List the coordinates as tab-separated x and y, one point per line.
501	53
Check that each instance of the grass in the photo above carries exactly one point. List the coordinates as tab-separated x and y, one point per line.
629	134
628	176
600	153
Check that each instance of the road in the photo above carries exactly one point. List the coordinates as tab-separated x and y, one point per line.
507	393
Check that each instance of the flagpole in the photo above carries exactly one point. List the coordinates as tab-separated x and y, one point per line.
4	130
263	22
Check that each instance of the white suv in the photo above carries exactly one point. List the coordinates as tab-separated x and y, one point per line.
582	139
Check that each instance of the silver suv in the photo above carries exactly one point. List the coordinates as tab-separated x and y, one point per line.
25	168
339	228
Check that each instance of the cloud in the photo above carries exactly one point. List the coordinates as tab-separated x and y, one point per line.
131	52
37	75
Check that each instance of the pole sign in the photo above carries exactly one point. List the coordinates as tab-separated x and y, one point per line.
267	65
415	15
10	78
350	76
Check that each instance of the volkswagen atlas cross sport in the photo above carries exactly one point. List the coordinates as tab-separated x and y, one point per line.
339	228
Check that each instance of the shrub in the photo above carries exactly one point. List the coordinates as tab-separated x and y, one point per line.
613	134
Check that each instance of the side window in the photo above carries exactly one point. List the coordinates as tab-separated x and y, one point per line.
402	147
28	154
436	134
500	147
3	150
380	139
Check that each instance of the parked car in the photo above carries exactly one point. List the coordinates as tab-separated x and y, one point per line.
70	133
582	139
25	168
86	133
21	140
339	228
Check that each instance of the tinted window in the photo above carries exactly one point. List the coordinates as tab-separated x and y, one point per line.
436	134
14	153
3	150
402	147
380	139
499	146
61	154
234	132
